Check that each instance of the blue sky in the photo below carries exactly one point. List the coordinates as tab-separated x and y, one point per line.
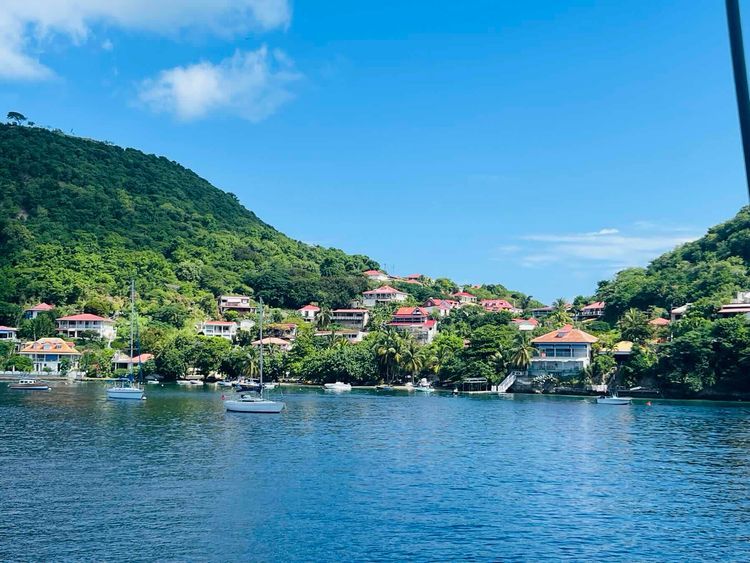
540	145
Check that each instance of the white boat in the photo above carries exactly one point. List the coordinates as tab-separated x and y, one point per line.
127	388
29	385
195	382
614	400
183	382
225	384
338	386
424	386
126	391
255	403
384	387
152	382
269	385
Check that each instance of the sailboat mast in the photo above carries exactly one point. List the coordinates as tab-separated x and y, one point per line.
261	344
132	336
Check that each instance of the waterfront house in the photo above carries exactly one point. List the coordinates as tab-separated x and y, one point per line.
74	326
350	335
32	312
415	321
239	303
376	275
562	352
465	298
309	312
592	311
526	324
740	305
48	353
122	361
440	307
384	294
223	329
273	342
350	318
8	333
497	305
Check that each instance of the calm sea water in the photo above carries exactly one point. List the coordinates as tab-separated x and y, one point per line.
369	477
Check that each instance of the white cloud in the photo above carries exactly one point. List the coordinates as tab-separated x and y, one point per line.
250	84
607	248
107	45
27	26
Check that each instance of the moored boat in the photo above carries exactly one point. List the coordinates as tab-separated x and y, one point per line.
613	400
29	385
338	386
125	391
384	387
128	388
424	386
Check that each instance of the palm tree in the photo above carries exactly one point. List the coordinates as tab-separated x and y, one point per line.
411	358
522	353
324	318
560	315
499	365
634	326
388	348
250	368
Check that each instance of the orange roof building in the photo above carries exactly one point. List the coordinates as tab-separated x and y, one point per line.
562	352
48	353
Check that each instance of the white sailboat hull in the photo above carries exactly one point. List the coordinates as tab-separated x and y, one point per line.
132	393
260	406
613	400
338	386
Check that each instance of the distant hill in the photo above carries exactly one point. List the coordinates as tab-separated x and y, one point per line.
79	218
711	269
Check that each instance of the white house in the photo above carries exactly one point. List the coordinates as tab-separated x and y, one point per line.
48	353
272	341
565	351
73	326
526	324
465	298
224	329
351	335
441	307
384	294
677	313
239	303
8	333
309	312
376	275
415	321
350	318
122	361
32	312
737	306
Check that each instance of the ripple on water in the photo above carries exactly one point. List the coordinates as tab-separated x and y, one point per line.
364	476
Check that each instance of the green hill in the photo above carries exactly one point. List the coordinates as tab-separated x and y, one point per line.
79	218
710	269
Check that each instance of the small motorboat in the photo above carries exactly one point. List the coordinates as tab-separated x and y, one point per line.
613	400
183	382
196	382
152	382
257	404
269	385
225	384
424	386
338	386
247	385
29	385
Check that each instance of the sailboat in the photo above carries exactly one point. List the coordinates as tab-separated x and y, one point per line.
255	403
127	387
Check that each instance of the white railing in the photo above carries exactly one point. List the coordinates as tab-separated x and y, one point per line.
507	382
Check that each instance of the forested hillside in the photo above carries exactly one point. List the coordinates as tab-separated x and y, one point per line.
79	218
709	270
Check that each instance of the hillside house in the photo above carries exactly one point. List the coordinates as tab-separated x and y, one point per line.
273	342
384	294
239	303
659	322
465	298
678	312
287	331
541	312
497	305
309	312
562	352
526	324
740	305
8	333
223	329
32	312
350	335
592	311
350	318
74	326
415	321
440	307
376	275
48	353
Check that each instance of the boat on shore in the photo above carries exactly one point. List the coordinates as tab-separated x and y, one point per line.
29	385
338	386
424	386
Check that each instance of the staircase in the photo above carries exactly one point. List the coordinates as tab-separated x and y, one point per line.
508	381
